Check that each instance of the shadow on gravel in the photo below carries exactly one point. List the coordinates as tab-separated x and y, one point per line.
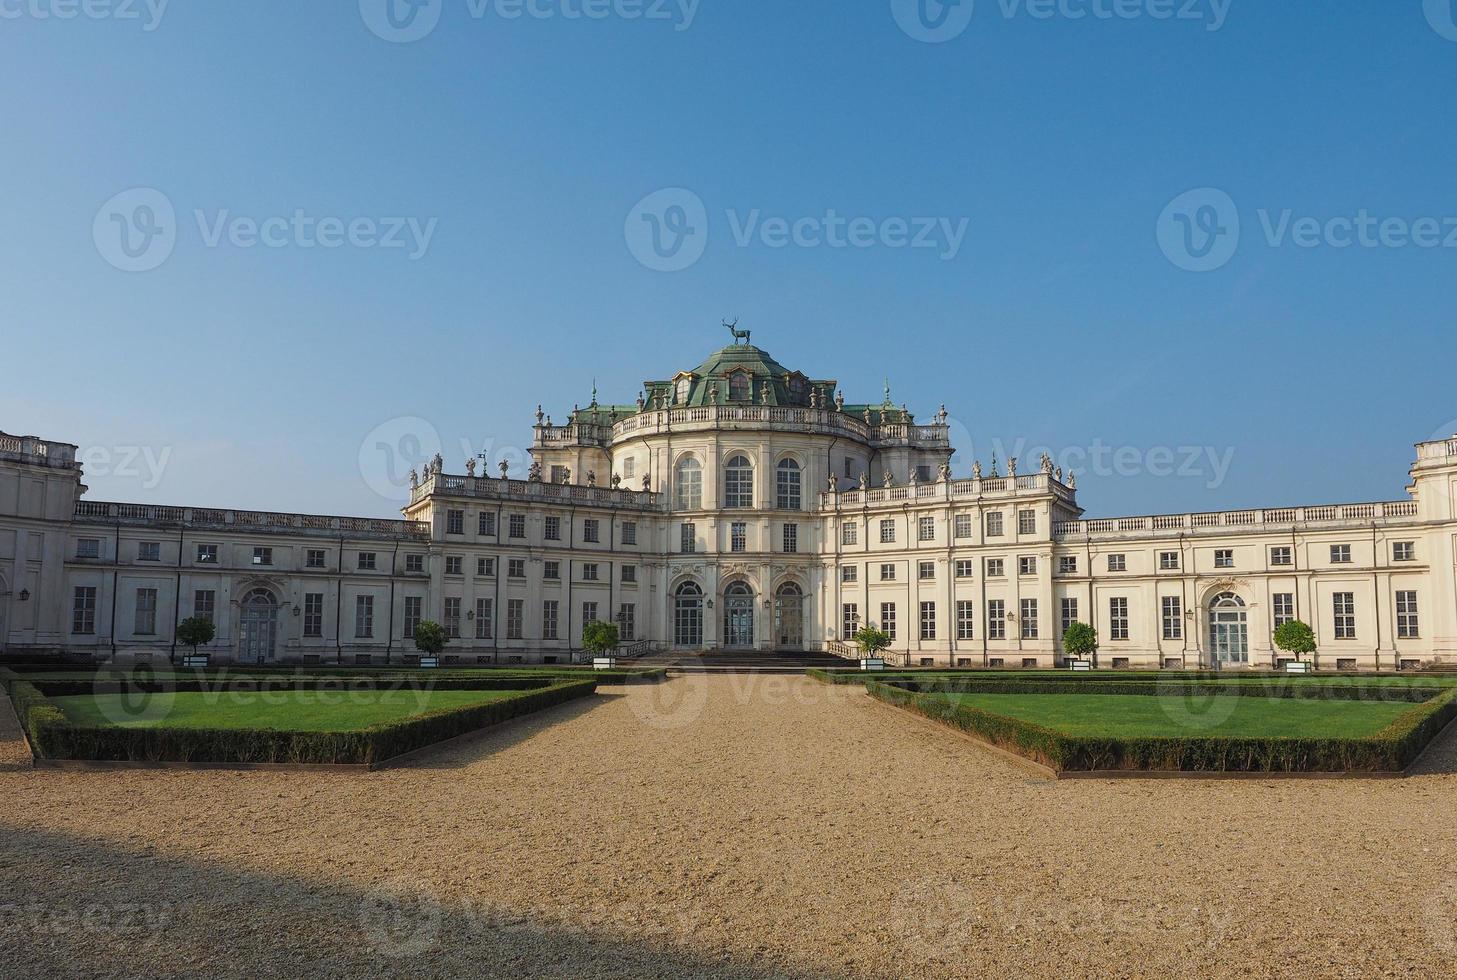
472	748
71	906
1440	758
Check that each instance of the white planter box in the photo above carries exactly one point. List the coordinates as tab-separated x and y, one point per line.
430	662
1081	666
604	663
872	663
1300	667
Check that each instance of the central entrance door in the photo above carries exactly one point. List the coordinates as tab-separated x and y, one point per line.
688	616
789	617
1229	633
738	616
259	627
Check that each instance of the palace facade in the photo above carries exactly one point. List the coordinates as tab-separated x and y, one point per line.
739	505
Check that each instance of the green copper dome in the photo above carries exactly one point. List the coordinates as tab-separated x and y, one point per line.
739	375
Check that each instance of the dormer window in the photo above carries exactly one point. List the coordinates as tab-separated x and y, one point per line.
682	388
740	386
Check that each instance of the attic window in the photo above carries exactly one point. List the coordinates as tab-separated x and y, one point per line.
683	389
740	387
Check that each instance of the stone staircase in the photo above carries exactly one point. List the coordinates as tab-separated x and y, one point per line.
742	661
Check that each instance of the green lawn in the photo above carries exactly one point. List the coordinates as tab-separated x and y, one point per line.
1131	715
292	711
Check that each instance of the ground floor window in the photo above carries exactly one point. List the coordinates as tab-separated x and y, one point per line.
965	624
928	621
83	612
1406	616
627	622
1344	607
887	619
1173	616
996	619
549	619
452	617
515	613
1118	618
850	620
1069	613
484	616
1029	619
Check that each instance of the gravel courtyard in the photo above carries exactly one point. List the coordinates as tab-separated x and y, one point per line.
730	826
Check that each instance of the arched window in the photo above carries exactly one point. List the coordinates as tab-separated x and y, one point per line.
738	616
688	616
1229	641
738	483
789	617
740	387
688	484
787	484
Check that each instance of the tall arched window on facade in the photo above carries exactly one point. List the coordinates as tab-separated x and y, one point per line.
688	484
738	483
787	485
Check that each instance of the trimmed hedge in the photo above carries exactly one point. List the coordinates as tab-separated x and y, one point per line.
1392	749
148	685
621	675
1174	687
52	736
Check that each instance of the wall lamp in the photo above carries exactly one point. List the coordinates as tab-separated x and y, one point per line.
24	595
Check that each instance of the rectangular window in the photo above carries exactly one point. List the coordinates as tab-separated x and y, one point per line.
83	610
849	573
887	531
1026	522
313	614
1069	612
629	467
1027	565
961	525
367	561
315	558
687	539
516	568
145	623
552	527
887	572
549	619
1344	604
996	619
485	609
924	473
1173	617
515	613
738	536
1067	564
414	612
1117	563
791	538
1340	554
1029	619
592	530
364	616
627	622
149	551
926	529
263	556
1224	558
414	563
454	565
629	532
996	568
1118	618
849	533
787	494
486	523
1168	560
926	570
516	526
591	571
91	548
485	567
455	522
849	620
629	574
965	568
994	524
205	605
1406	616
928	621
965	622
1282	555
551	570
207	554
589	612
1282	605
559	475
887	619
1403	551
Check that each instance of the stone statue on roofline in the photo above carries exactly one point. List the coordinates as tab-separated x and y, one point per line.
765	392
1012	467
976	470
831	484
839	401
1072	480
646	483
414	479
437	465
539	415
945	472
566	475
505	467
470	467
1047	464
865	480
591	478
616	481
534	473
915	476
889	480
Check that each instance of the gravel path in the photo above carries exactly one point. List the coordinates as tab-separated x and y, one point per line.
722	827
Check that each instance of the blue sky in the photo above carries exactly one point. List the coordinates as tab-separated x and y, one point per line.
239	374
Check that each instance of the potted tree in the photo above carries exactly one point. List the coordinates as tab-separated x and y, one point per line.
872	640
600	640
430	640
193	633
1298	639
1080	646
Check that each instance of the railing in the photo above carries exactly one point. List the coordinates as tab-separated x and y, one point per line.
1240	519
631	651
797	419
1032	483
518	490
32	450
1440	449
245	520
845	651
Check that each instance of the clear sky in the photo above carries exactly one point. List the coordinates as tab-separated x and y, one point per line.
522	159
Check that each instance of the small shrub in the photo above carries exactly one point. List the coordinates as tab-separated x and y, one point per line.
430	638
